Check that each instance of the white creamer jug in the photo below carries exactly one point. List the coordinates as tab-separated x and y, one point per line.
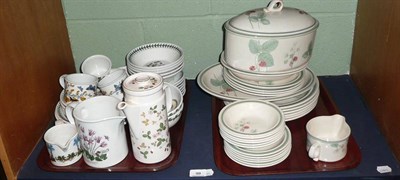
101	127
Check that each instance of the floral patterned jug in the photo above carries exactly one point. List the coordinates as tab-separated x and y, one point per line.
145	107
101	129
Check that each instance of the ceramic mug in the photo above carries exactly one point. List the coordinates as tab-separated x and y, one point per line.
101	130
63	144
111	84
78	86
146	110
327	138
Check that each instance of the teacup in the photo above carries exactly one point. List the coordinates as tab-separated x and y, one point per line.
327	138
78	86
111	84
63	144
96	65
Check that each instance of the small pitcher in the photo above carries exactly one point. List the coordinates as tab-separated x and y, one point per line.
145	107
63	144
101	131
327	138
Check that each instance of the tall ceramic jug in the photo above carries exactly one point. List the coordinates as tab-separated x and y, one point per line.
101	131
145	107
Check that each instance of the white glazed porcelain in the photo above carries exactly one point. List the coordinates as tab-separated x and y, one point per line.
146	108
78	86
270	39
101	130
267	84
141	87
111	84
96	65
176	109
212	81
327	138
63	144
154	57
251	118
260	158
253	76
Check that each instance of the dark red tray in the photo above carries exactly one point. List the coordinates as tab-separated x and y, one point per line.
129	164
298	160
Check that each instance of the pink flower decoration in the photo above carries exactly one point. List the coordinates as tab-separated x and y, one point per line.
103	144
252	68
262	64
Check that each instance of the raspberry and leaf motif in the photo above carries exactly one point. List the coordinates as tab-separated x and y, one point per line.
263	52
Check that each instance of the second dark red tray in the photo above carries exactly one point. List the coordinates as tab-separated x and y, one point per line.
298	160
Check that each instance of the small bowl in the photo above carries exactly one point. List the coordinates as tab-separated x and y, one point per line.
96	65
174	117
251	119
155	56
175	110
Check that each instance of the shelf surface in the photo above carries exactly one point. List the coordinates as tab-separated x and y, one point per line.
197	146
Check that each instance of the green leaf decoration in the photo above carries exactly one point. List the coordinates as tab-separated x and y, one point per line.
162	126
264	21
267	57
254	46
269	46
308	53
225	86
144	154
253	18
216	82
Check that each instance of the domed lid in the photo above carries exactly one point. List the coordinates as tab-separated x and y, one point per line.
273	20
143	83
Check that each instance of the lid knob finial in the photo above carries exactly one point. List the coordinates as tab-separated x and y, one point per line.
274	6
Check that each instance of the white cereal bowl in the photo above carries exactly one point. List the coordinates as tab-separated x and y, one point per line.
155	57
270	39
250	118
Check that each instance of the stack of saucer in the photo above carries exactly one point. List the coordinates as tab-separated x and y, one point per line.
254	133
164	59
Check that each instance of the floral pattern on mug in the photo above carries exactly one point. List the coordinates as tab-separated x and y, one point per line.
94	146
157	135
68	157
79	93
339	147
117	90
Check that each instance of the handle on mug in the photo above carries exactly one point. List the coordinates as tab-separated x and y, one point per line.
168	96
68	111
314	152
62	80
131	114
